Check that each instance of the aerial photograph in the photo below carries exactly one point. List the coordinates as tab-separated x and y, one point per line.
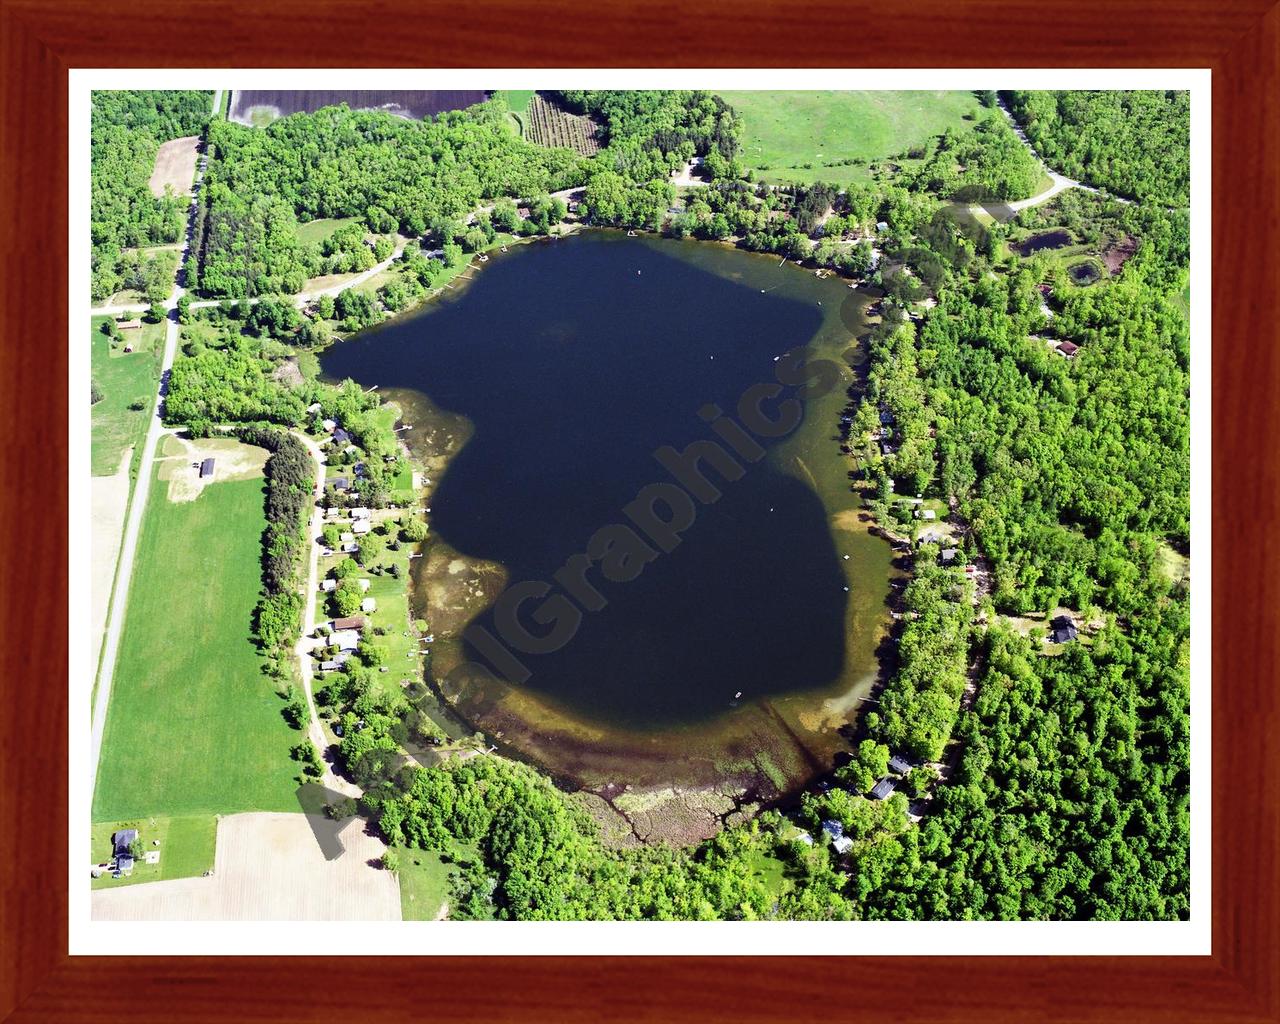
623	505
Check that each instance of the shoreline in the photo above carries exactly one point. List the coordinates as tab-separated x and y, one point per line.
759	756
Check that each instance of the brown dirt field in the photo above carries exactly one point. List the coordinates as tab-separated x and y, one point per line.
109	500
175	165
232	461
268	867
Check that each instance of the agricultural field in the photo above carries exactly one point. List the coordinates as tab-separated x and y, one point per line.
175	166
124	381
186	847
802	136
194	727
262	106
549	124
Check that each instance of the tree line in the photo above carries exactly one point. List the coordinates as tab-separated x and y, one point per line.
126	129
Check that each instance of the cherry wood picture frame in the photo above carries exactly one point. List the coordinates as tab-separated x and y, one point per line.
1238	39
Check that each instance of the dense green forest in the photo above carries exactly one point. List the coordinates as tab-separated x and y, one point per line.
1066	479
393	174
126	129
1135	143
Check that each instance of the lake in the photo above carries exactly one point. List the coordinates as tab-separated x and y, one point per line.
539	397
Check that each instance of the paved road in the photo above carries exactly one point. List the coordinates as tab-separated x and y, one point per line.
137	507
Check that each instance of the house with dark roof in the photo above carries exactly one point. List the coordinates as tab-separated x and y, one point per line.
341	436
949	554
883	788
1063	629
340	483
206	469
833	828
121	841
899	764
350	622
1068	349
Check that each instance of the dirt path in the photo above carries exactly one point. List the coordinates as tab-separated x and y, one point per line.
1060	181
306	642
268	867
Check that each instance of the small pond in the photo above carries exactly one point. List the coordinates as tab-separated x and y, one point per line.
1044	240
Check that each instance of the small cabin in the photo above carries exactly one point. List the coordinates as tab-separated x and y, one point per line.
1063	629
883	789
206	469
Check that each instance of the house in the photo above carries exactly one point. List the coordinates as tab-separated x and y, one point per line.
883	788
899	764
803	837
313	408
328	586
833	828
842	845
1064	629
369	604
886	417
350	548
949	554
349	622
347	538
360	470
360	513
361	526
329	425
1068	349
206	469
124	865
340	436
926	513
341	483
330	666
121	841
882	225
345	639
129	325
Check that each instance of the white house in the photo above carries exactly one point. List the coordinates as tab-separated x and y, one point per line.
360	513
361	526
345	639
328	586
369	604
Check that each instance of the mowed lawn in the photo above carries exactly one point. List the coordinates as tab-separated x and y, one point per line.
123	380
316	231
784	130
187	847
194	727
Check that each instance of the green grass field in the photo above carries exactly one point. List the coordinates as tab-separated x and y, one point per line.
786	130
186	848
194	727
518	99
424	883
318	230
123	380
